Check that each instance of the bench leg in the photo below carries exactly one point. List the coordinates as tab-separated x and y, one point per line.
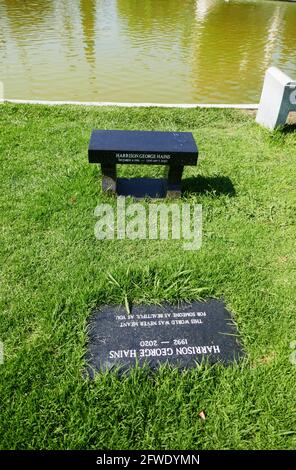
174	179
109	178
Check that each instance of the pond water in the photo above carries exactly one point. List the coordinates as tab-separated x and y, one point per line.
168	51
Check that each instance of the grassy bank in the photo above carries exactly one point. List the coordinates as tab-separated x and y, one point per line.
53	271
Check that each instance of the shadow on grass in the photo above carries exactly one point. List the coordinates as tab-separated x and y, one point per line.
203	184
289	128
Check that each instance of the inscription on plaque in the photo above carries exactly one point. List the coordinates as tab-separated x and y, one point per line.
182	336
142	158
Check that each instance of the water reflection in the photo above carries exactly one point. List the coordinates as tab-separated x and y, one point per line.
233	45
23	14
153	50
88	20
166	16
203	7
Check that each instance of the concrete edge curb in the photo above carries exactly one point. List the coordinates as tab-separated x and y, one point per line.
132	105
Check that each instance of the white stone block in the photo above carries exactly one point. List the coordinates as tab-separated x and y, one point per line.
277	100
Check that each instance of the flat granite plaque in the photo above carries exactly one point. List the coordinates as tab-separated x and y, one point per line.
179	335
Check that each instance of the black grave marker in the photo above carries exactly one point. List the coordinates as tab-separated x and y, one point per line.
180	336
172	149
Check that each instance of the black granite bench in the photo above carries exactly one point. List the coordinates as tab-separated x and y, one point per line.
172	149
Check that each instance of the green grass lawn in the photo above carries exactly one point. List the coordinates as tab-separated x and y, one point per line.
54	271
